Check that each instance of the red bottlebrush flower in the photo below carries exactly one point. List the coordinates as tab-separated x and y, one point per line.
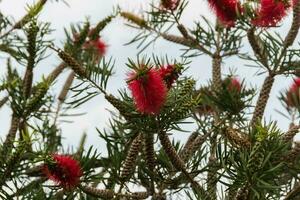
270	13
295	86
169	74
148	90
226	10
97	45
169	4
234	85
63	170
100	46
293	94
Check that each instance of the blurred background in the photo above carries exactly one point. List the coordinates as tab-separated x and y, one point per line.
116	35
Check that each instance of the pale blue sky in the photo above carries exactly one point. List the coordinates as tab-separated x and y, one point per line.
115	35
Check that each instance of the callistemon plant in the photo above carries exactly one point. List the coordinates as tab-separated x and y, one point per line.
291	98
271	12
181	127
231	98
148	89
170	74
227	11
63	170
97	46
169	4
234	85
292	95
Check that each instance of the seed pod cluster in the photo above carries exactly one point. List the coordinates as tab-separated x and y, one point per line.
256	46
158	196
212	180
292	154
171	152
57	71
178	40
236	139
63	93
192	145
94	33
216	74
262	100
290	134
183	30
134	195
100	193
134	19
128	166
119	105
72	63
292	34
149	151
140	195
188	143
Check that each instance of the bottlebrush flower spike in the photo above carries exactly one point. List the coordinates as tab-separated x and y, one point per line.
271	12
226	10
97	45
63	170
293	94
234	85
148	90
100	46
169	74
169	4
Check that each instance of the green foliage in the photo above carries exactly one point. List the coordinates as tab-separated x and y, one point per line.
230	101
248	161
260	168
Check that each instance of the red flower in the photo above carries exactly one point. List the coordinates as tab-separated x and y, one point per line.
295	86
293	95
234	85
270	13
169	4
97	45
63	170
169	74
226	10
148	90
101	46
